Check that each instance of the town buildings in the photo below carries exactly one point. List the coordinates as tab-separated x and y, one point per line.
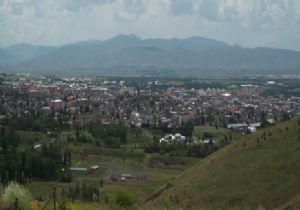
140	103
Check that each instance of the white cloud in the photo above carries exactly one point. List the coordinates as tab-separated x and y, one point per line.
272	23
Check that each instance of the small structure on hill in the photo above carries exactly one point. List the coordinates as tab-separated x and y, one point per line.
79	170
94	168
125	176
177	138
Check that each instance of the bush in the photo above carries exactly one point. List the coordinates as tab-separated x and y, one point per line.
65	175
13	191
66	205
34	205
123	199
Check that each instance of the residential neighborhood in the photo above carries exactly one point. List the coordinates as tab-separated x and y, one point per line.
74	101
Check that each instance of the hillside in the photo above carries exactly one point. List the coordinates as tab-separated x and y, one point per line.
162	57
262	169
20	53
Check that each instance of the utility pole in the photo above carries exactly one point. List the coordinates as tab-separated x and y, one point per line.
54	197
16	204
58	146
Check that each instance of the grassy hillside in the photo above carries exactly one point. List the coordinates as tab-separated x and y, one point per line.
260	170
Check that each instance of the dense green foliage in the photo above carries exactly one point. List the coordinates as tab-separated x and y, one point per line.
32	123
111	135
20	162
84	192
123	199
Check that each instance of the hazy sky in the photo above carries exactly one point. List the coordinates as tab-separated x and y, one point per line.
273	23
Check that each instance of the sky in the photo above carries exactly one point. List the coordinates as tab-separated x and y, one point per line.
249	23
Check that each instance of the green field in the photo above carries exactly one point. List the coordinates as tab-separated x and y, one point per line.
154	169
217	133
30	137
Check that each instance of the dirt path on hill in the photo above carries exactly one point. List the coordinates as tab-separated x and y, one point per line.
156	193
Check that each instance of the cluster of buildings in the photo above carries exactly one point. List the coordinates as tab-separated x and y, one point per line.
140	103
170	139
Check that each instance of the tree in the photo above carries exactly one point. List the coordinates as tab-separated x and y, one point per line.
122	132
15	191
101	183
207	135
187	129
84	192
77	133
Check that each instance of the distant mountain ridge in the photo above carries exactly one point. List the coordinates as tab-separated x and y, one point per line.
131	55
19	53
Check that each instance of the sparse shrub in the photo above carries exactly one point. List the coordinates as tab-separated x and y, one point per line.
169	184
34	205
66	205
15	191
123	199
260	207
106	199
30	141
176	199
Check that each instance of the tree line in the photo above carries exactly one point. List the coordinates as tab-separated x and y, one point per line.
21	163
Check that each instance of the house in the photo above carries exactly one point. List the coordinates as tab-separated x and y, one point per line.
37	146
172	138
56	104
253	126
79	170
125	176
94	168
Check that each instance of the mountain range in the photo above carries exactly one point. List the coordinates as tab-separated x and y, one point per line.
130	55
